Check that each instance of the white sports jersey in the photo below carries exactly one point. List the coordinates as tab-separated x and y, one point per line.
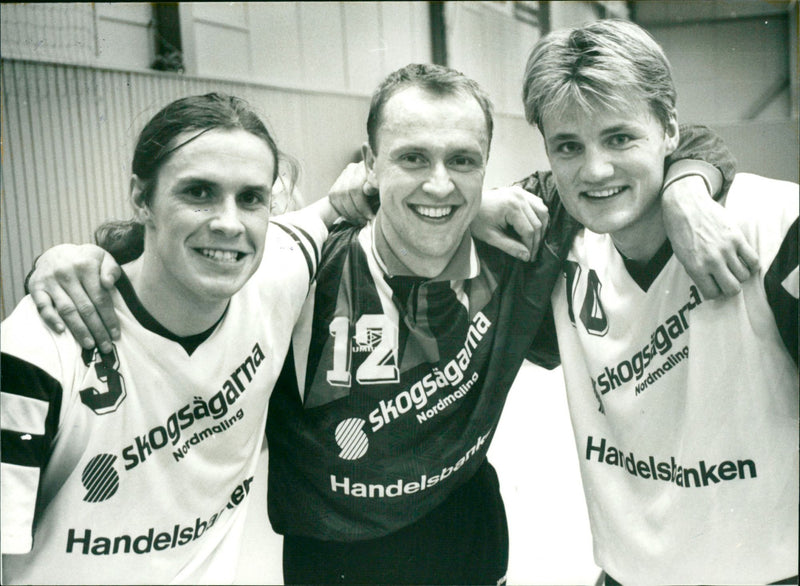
135	467
685	410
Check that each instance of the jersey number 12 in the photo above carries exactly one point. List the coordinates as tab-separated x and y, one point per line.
374	334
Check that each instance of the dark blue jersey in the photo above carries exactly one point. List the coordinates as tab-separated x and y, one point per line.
402	381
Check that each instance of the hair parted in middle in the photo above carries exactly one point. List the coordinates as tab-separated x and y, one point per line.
605	64
436	79
158	141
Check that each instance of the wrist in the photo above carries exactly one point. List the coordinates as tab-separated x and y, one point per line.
685	168
671	184
685	189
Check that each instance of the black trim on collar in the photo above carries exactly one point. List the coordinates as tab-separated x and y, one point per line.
644	273
188	343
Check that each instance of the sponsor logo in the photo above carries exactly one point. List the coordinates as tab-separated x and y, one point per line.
352	440
100	478
701	475
216	407
661	342
88	542
450	375
401	486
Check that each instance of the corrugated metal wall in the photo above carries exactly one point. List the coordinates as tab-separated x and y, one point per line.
68	134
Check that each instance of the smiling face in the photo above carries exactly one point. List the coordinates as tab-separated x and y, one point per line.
609	167
429	168
207	220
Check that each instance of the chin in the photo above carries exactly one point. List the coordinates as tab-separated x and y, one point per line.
603	225
220	291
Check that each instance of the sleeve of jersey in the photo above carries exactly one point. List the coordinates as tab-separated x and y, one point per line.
781	283
307	232
562	227
30	405
701	143
541	183
544	349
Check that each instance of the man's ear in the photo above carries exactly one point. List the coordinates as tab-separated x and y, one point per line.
672	133
141	209
369	163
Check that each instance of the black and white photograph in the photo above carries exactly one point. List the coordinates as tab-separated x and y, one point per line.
400	292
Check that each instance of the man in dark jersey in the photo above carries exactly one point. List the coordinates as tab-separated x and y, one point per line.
390	397
379	425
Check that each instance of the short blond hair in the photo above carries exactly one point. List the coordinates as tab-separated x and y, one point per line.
605	64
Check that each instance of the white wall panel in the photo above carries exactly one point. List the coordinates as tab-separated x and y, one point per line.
232	14
222	52
363	46
569	14
126	45
321	29
347	47
405	34
275	44
60	32
491	46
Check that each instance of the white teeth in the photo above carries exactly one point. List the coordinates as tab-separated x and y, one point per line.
605	192
220	255
433	212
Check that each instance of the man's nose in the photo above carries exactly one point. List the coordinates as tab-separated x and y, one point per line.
226	218
439	183
596	166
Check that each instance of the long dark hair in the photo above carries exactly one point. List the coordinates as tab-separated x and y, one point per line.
125	239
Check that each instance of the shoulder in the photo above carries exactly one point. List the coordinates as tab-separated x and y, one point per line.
292	250
339	244
765	208
25	337
303	224
296	233
774	194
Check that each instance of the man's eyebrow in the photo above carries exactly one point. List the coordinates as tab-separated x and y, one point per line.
618	128
190	181
403	147
467	149
563	136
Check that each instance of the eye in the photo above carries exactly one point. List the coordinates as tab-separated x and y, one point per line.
253	198
412	160
568	148
619	140
199	192
464	163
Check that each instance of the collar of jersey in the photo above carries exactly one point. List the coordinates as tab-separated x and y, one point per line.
644	273
147	321
463	265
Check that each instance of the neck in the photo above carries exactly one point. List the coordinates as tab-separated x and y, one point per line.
180	312
641	241
401	261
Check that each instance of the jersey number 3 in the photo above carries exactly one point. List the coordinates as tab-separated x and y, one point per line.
105	388
376	335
